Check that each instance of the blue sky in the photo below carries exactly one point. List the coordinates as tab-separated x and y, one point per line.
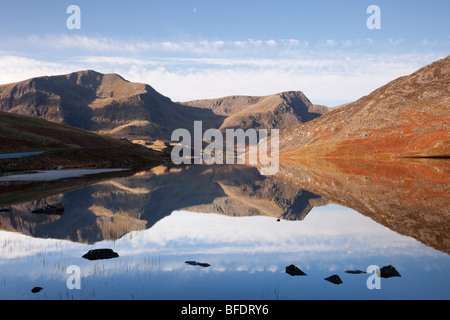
203	49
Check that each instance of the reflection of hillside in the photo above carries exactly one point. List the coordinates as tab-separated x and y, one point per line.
108	209
410	197
260	196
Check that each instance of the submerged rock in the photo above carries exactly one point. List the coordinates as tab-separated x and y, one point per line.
201	264
294	271
334	279
389	272
55	209
101	254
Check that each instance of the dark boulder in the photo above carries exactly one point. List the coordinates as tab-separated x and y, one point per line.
36	289
334	279
101	254
294	271
389	272
355	271
201	264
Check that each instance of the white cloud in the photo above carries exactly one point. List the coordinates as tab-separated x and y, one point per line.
97	45
240	43
428	43
218	44
321	79
323	76
77	42
330	43
271	43
15	68
256	43
395	42
114	46
347	43
293	43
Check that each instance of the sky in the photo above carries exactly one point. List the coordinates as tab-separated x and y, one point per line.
201	49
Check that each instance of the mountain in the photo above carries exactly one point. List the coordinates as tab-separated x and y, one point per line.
102	103
408	117
108	104
278	111
64	146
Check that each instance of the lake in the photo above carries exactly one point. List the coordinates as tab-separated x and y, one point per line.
325	219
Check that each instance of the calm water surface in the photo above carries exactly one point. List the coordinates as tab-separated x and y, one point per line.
227	217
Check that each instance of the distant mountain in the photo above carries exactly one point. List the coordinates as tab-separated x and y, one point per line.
102	103
277	111
408	117
108	104
65	146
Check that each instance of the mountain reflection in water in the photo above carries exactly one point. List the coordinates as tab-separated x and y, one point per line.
256	225
107	210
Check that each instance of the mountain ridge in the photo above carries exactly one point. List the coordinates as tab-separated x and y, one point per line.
99	102
275	111
110	105
408	117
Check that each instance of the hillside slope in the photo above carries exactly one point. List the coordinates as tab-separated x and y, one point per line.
277	111
408	117
65	146
102	103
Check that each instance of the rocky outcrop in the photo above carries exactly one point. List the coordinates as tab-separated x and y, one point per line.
200	264
278	111
389	272
100	254
102	103
294	271
37	289
335	279
355	271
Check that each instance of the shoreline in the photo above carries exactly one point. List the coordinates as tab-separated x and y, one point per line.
51	175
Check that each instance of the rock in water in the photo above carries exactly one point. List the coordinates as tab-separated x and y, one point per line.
101	254
36	289
355	271
201	264
389	272
294	271
334	279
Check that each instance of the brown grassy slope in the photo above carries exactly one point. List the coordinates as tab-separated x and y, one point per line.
408	117
65	145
